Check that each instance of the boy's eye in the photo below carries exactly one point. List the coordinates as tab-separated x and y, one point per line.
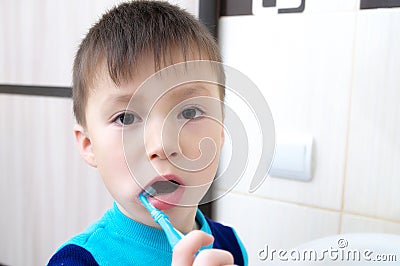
126	119
191	113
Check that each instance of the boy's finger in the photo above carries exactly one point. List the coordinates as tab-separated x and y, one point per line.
217	257
184	252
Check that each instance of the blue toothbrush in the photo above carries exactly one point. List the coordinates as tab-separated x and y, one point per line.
161	218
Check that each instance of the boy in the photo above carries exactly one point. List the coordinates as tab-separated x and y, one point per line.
124	127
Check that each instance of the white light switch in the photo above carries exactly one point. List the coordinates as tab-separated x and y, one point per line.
293	157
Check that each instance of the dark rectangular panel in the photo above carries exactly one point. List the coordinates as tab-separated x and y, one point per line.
269	3
367	4
298	9
236	7
36	90
209	15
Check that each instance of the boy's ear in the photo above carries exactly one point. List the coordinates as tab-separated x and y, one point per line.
84	145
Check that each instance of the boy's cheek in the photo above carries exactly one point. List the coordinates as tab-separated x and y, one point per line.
110	155
117	179
195	141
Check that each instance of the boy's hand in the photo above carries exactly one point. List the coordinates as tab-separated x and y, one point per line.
184	252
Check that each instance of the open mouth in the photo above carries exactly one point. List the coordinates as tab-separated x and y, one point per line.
164	187
165	191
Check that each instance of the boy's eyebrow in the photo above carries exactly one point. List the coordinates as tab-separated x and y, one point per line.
187	91
124	99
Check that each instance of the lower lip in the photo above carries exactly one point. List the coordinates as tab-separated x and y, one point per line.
167	201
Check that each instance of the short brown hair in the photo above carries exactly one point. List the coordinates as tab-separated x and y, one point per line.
128	31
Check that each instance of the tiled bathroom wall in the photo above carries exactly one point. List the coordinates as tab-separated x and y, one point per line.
331	72
39	38
47	193
43	179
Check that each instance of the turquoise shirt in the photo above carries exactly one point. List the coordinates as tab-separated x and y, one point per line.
118	240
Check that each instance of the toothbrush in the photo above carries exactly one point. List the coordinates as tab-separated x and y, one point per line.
161	218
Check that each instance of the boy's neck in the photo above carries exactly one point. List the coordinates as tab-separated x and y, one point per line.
183	219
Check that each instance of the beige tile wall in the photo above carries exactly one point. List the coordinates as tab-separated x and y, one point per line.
42	37
373	166
333	73
280	225
47	193
43	178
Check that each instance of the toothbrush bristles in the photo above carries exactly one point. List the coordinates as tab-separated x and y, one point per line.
149	192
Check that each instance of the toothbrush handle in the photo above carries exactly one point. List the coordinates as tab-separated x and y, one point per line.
162	219
172	234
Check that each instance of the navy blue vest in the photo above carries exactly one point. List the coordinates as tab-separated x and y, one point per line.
225	238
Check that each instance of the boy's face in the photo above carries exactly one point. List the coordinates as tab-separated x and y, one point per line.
178	137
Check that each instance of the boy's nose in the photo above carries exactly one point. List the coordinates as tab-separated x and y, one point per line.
161	141
161	152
